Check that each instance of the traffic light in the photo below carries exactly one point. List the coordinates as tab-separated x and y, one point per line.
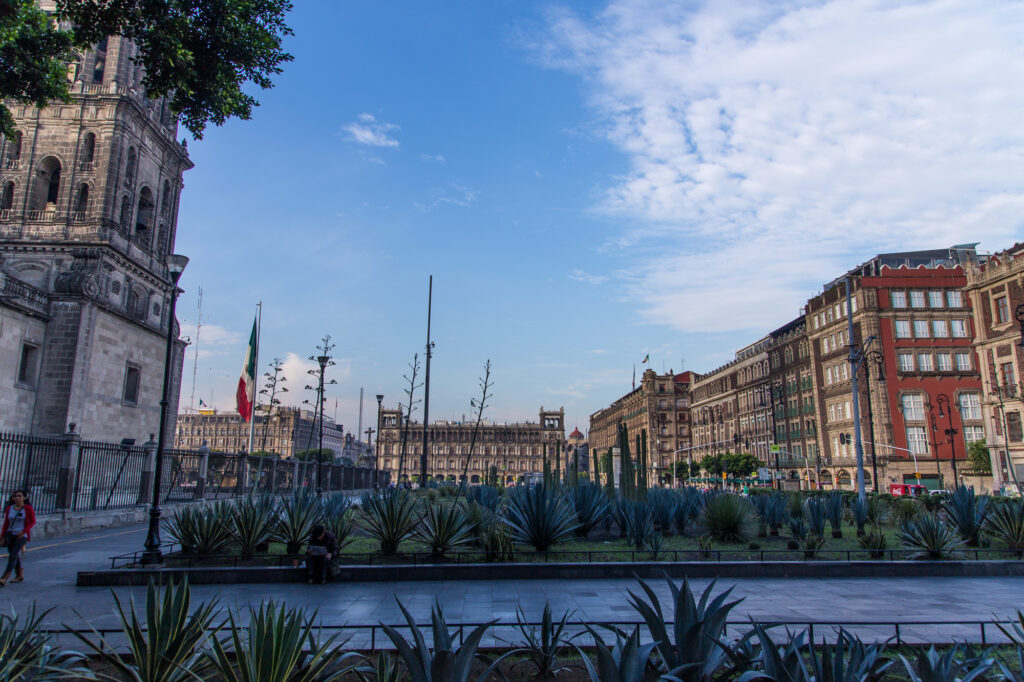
842	439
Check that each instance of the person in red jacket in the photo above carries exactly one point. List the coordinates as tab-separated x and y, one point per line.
19	517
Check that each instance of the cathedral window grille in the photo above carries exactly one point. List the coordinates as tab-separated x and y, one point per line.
126	213
88	148
47	193
82	201
144	217
13	151
129	170
7	197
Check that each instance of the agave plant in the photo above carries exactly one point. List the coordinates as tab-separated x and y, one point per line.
27	654
335	504
817	515
848	659
279	644
696	648
386	668
662	505
251	523
445	662
797	527
390	517
687	509
539	516
777	509
297	516
930	665
875	541
967	512
201	531
443	528
834	512
783	662
654	544
625	661
484	495
729	519
930	537
639	522
477	516
1006	522
812	544
591	506
904	509
545	644
497	542
169	647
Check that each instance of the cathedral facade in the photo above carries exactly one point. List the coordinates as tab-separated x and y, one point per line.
89	193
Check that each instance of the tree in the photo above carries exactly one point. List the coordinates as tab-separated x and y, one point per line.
712	465
479	405
979	457
201	54
326	455
271	389
740	464
682	471
410	405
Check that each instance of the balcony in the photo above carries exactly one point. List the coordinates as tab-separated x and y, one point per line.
41	216
11	164
86	166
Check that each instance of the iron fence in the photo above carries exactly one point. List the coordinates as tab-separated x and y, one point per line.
65	473
109	476
31	464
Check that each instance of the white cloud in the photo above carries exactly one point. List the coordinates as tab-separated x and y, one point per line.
454	194
212	335
772	147
436	158
367	130
295	368
586	277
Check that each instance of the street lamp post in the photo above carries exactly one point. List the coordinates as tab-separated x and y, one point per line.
935	446
323	361
875	358
945	411
175	266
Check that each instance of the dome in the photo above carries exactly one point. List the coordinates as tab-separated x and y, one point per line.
576	433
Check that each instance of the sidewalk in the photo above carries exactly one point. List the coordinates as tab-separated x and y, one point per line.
51	567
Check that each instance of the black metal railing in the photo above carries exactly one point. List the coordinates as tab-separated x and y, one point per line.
32	464
109	476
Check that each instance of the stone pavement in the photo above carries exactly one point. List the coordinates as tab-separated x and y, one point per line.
51	567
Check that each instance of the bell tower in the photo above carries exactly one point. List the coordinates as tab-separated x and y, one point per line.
89	194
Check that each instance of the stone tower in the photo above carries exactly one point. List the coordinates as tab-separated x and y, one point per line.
89	194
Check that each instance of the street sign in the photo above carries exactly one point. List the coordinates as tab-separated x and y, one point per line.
775	448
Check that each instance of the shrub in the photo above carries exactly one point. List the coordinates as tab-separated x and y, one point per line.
591	506
252	522
848	659
28	654
812	544
729	519
904	509
390	517
929	536
484	495
543	645
834	511
539	516
201	531
662	505
168	647
625	661
1006	522
497	542
687	509
930	665
443	528
797	527
967	512
297	515
280	644
693	649
777	509
639	523
817	516
875	541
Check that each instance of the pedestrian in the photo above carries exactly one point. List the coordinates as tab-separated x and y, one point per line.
19	517
322	548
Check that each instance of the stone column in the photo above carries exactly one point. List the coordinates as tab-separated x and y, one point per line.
272	476
295	475
242	474
148	471
68	473
204	468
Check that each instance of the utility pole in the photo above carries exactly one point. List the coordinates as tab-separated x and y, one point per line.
426	389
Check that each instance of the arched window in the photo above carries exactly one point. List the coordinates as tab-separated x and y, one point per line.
82	201
88	148
7	197
144	217
133	302
129	169
126	213
14	147
47	189
101	61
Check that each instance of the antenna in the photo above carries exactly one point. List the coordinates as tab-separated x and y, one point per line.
195	352
360	429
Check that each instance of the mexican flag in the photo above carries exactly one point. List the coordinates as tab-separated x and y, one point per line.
246	393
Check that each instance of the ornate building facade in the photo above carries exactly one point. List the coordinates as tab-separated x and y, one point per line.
660	408
996	290
89	193
285	432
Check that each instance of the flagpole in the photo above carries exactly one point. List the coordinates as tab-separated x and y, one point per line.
256	365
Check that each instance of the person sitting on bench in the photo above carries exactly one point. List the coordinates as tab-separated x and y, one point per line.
322	548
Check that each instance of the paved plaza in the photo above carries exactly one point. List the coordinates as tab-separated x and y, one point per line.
51	567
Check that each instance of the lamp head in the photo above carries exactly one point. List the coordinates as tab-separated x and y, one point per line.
322	360
380	397
176	265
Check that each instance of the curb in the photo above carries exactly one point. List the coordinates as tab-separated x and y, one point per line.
562	571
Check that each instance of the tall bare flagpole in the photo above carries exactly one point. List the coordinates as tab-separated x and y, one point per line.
255	391
426	389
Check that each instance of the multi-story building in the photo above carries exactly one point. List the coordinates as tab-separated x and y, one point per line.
89	192
715	409
284	431
516	450
791	400
658	408
912	308
996	290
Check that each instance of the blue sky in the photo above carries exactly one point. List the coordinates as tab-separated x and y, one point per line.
587	183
